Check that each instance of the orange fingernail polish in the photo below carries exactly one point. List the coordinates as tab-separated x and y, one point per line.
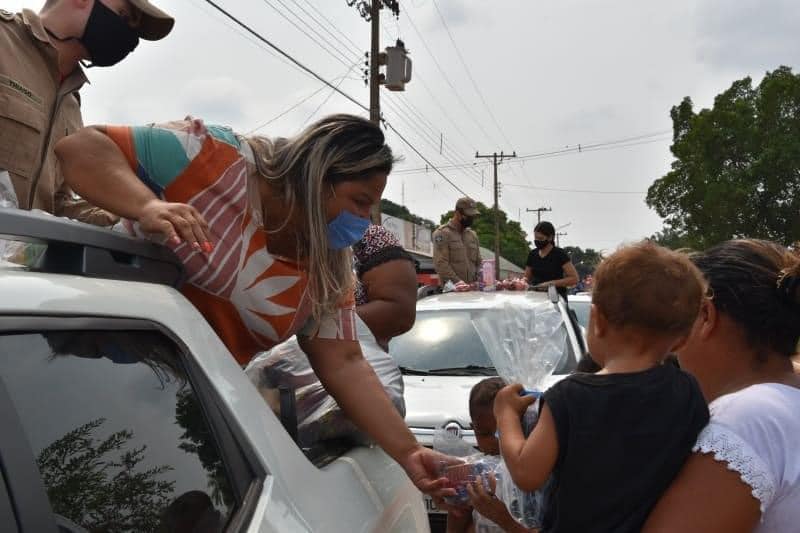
207	247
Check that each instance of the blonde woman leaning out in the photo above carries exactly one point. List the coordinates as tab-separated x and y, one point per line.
264	229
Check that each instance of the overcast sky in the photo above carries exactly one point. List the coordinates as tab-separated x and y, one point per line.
554	74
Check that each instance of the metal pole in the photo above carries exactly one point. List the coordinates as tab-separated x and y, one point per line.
496	223
495	161
375	83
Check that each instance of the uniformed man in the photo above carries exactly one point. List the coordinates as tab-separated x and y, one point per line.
456	251
39	82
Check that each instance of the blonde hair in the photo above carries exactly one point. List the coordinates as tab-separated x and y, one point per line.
336	149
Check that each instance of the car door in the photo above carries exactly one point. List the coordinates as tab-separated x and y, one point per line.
114	432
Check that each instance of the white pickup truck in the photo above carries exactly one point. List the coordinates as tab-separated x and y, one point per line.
121	409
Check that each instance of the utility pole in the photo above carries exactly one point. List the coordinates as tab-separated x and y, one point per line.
496	160
559	234
539	211
371	11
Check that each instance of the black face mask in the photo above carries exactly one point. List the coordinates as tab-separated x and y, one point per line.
107	36
467	221
540	244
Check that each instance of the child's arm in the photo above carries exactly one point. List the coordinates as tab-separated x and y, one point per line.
489	505
530	461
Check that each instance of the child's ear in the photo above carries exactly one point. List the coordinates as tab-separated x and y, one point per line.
598	322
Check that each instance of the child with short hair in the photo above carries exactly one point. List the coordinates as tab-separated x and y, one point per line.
482	497
612	441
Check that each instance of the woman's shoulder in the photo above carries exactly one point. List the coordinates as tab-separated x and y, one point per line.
754	431
764	401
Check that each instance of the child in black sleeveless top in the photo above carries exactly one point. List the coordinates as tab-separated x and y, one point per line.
615	439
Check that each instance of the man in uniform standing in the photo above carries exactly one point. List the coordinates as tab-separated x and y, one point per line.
39	82
456	251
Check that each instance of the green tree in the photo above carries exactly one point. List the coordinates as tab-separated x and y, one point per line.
197	439
390	208
737	165
100	485
513	244
585	261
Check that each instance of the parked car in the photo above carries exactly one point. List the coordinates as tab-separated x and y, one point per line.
581	303
442	357
122	410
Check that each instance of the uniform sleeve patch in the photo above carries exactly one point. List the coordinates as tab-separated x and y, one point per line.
438	239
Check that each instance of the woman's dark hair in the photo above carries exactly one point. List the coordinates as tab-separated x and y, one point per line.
483	393
757	284
545	228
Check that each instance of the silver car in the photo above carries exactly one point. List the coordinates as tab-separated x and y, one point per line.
442	356
122	410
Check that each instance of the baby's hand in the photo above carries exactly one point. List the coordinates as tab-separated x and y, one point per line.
510	399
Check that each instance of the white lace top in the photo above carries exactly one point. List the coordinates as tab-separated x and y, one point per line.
756	431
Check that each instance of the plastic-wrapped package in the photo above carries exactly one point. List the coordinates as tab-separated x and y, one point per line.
523	507
319	417
526	341
18	253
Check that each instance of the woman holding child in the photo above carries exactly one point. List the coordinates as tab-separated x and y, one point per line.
612	442
263	228
744	474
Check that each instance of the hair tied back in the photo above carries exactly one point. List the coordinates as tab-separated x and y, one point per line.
788	286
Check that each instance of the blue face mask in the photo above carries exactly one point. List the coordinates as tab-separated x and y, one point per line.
345	230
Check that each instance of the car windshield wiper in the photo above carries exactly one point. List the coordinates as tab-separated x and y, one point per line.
469	370
413	371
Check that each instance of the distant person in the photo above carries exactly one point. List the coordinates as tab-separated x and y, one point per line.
456	250
613	441
386	291
548	265
40	78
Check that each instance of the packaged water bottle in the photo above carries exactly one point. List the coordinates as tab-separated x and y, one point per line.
488	276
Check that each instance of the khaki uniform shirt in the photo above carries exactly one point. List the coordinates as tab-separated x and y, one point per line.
37	109
456	254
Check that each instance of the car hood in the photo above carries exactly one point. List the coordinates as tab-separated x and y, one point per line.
434	401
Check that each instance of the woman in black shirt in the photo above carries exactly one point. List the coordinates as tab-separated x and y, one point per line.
548	264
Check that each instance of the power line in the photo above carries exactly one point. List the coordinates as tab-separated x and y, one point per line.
286	55
469	75
335	88
572	150
287	111
338	57
327	98
322	26
584	191
587	147
444	76
334	26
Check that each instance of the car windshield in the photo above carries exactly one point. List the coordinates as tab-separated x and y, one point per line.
447	343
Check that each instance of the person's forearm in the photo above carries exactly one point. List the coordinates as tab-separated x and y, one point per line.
512	441
366	404
95	168
384	320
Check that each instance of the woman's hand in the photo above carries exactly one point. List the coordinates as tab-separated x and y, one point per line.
509	401
176	222
422	466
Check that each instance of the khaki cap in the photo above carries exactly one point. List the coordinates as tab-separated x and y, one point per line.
155	23
468	206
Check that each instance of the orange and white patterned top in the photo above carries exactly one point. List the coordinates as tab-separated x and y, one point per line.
253	300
